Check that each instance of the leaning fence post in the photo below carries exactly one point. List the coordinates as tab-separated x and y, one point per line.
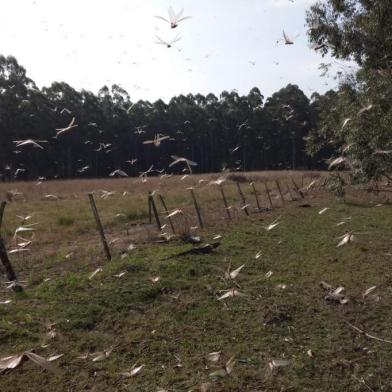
99	226
154	210
196	207
242	198
252	184
166	212
268	194
227	208
2	207
297	189
280	191
9	270
291	194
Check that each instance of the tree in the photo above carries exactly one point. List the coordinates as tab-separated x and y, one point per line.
358	30
289	114
235	132
20	106
360	122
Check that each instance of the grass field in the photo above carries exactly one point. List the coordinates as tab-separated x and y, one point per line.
66	225
171	325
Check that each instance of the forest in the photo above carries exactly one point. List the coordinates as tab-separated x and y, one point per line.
232	132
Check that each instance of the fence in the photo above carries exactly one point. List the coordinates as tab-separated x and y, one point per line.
218	199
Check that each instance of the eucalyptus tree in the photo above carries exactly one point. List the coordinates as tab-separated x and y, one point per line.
359	31
233	131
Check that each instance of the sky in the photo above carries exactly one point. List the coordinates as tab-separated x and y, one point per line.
225	45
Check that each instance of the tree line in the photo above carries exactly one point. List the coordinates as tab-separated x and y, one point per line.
230	132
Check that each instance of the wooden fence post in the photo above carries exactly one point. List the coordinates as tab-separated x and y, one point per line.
227	207
166	212
242	198
196	207
149	209
9	270
280	191
252	184
291	194
297	189
2	207
154	210
99	226
268	195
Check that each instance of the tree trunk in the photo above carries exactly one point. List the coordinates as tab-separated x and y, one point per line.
293	153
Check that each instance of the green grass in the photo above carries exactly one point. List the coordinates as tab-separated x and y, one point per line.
145	323
65	221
